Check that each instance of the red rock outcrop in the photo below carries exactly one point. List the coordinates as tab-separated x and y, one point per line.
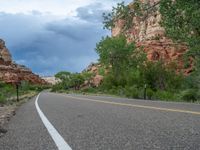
149	34
97	79
11	72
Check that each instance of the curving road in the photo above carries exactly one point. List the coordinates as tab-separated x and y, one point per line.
58	121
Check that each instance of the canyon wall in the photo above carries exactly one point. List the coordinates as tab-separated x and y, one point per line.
148	33
10	72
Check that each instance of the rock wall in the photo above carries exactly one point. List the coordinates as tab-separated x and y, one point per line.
51	80
11	72
97	79
149	34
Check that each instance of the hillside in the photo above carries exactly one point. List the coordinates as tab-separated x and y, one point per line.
147	32
10	72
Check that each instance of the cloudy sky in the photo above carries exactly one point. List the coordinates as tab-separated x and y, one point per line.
53	35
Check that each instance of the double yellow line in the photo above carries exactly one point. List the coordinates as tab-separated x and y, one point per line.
136	106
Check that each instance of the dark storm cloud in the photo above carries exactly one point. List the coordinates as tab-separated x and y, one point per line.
75	31
48	46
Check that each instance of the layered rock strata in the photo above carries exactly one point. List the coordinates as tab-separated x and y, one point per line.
10	72
149	34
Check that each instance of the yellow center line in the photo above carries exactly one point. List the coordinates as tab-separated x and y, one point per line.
136	106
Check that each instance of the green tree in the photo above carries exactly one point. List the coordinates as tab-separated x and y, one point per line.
63	75
120	12
76	80
158	76
115	53
65	78
181	19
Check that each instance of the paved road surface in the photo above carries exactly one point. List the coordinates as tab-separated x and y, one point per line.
103	123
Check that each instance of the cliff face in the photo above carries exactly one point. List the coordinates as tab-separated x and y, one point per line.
51	80
11	72
97	79
148	33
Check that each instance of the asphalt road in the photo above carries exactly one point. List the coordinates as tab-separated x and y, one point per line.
103	123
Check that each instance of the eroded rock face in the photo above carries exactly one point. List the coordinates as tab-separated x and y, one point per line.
5	56
97	79
149	34
51	80
11	72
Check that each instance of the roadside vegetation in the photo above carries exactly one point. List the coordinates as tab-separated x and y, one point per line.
129	73
70	81
8	92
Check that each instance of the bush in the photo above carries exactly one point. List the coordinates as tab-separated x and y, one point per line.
2	99
190	95
6	92
164	95
150	93
89	90
132	92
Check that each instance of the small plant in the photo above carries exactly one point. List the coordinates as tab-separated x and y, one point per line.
2	99
164	95
132	92
190	95
150	93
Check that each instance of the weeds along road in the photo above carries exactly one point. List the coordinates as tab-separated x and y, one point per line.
59	121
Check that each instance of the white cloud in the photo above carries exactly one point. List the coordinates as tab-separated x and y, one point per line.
55	7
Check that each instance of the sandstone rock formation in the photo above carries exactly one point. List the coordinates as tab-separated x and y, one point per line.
149	34
97	79
5	56
51	80
10	72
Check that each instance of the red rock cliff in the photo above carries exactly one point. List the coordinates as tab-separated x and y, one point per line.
11	72
149	34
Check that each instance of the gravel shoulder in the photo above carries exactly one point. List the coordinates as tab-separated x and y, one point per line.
8	111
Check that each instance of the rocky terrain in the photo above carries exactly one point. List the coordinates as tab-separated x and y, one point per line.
51	80
10	72
97	78
148	33
5	114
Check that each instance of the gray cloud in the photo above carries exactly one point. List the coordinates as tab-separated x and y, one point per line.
91	13
48	46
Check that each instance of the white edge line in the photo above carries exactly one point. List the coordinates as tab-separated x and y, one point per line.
58	139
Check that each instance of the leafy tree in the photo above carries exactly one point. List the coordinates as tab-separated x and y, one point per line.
63	75
126	13
76	80
181	19
69	80
158	76
115	52
120	12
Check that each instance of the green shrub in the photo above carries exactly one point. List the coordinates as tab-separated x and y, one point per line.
2	99
190	95
164	95
101	71
150	93
132	92
7	91
89	90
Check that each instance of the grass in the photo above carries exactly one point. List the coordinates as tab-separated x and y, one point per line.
181	96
